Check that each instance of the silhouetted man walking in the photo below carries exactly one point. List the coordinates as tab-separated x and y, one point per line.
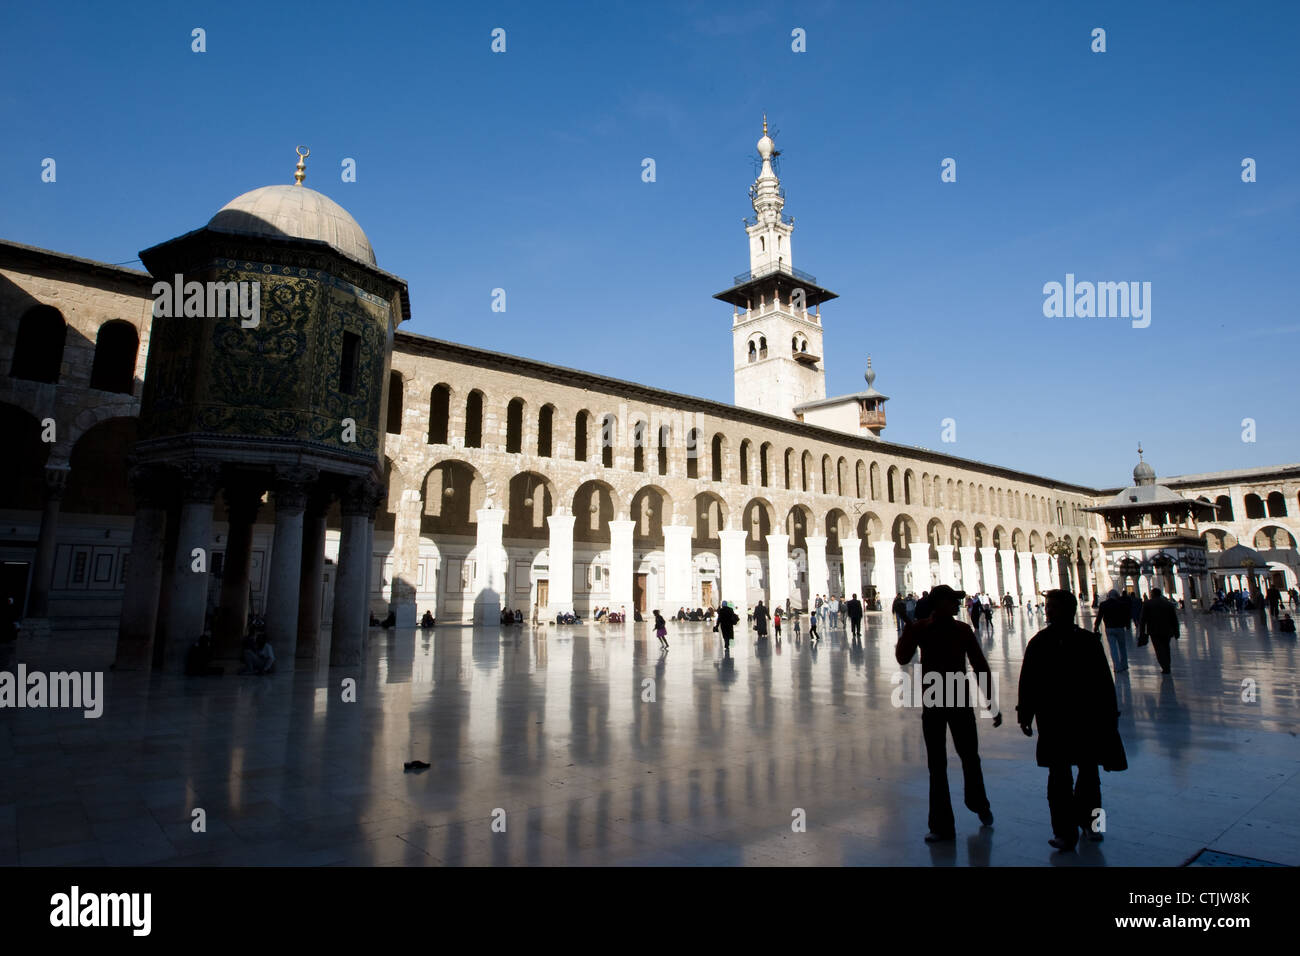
853	608
946	644
727	621
1159	622
1065	685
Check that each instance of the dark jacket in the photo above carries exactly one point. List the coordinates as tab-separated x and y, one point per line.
1159	619
946	644
853	609
727	620
1065	684
1115	612
760	619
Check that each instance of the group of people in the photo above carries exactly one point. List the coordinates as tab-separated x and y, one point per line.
1156	619
509	617
698	614
604	615
1065	689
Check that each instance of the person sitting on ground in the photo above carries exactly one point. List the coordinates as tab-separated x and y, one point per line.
681	614
427	620
636	615
198	659
1286	623
507	616
390	621
259	658
519	616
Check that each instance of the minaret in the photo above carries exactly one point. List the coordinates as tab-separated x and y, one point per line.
776	315
871	405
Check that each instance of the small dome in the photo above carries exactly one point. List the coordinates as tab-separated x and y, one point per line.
766	146
1144	474
296	212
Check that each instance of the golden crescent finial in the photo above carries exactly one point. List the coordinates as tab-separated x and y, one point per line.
301	173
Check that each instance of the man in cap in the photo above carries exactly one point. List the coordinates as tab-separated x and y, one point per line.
946	645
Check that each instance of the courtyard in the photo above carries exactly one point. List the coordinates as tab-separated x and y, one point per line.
588	745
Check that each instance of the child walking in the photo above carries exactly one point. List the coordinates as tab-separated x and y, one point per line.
661	629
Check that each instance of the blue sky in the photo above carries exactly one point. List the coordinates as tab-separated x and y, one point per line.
522	171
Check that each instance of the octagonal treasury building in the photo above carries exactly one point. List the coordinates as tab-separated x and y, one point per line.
330	467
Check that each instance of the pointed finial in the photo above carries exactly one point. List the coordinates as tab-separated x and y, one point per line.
764	124
301	173
1139	451
871	375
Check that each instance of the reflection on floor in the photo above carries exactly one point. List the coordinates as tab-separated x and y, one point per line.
591	746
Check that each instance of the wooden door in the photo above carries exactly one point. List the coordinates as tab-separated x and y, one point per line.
543	597
706	594
638	593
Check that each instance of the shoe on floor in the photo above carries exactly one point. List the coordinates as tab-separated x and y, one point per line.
1061	845
933	837
986	818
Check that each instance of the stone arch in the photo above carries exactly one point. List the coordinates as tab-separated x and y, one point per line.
797	522
117	345
1035	542
1275	505
711	516
531	499
905	532
97	483
452	491
909	486
1001	540
860	483
608	439
836	525
594	507
1018	540
396	403
693	453
959	535
38	347
870	528
745	447
892	480
582	420
805	466
22	481
841	475
650	509
1217	539
758	520
640	441
440	414
980	536
718	450
789	468
1271	535
88	418
1223	508
546	431
765	464
926	501
876	483
826	475
475	402
515	426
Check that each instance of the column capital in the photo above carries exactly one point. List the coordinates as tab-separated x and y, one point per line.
56	480
732	534
778	540
362	496
883	547
199	481
557	522
291	488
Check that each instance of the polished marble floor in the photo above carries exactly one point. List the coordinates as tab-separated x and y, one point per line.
548	730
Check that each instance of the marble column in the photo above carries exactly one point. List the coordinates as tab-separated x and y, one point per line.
489	570
620	566
406	557
778	572
677	568
144	573
187	600
732	546
1025	561
1054	571
920	564
1043	578
351	610
559	552
851	547
818	574
1008	575
886	575
312	574
56	482
282	604
947	573
989	562
229	624
970	575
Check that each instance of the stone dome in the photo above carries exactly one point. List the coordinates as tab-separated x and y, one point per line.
1144	474
294	211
